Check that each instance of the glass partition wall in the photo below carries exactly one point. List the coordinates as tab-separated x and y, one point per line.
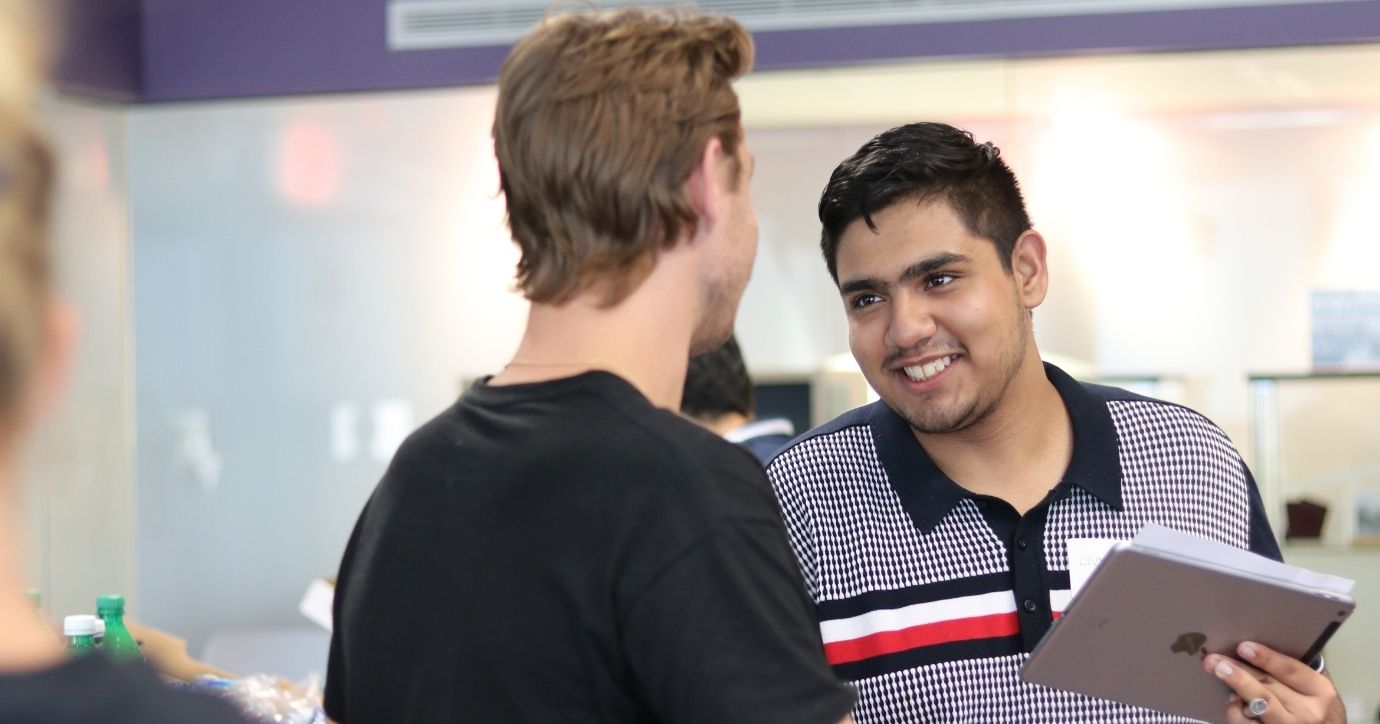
1317	440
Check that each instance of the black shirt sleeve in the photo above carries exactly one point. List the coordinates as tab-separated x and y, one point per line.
724	633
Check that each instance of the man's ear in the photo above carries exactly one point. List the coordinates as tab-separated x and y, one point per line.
705	186
1029	268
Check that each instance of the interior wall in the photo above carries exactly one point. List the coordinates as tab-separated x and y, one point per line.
314	278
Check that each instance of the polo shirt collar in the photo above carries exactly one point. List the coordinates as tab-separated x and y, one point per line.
928	495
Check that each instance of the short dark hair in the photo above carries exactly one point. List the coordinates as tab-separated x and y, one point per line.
717	383
918	162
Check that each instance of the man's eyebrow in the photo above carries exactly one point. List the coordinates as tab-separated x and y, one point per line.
931	265
866	284
915	271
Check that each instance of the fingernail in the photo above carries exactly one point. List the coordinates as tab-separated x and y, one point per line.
1223	669
1247	651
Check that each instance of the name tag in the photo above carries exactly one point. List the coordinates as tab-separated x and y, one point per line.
1084	555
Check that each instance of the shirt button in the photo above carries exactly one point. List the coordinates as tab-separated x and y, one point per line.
1020	544
1029	606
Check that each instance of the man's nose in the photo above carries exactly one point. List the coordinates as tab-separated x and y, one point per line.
911	324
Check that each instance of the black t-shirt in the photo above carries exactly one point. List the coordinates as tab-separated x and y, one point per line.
566	552
92	690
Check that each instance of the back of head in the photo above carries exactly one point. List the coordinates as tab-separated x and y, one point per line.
919	162
717	383
25	190
601	118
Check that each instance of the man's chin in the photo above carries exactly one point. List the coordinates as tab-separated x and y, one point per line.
709	338
938	424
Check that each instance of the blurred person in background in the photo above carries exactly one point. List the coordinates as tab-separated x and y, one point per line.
933	525
560	545
718	395
38	682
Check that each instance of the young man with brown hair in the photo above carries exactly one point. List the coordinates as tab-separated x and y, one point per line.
559	545
39	682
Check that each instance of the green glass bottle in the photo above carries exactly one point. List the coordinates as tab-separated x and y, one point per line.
80	631
119	643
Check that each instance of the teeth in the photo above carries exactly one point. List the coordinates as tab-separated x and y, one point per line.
920	373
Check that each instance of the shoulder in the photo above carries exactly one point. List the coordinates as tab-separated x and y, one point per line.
847	441
576	422
831	434
1121	400
1140	421
1141	418
110	694
1124	401
854	418
433	439
650	459
1110	393
184	705
701	470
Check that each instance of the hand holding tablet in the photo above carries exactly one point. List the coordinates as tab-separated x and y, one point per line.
1162	610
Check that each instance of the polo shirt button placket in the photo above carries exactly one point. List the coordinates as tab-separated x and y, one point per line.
1030	606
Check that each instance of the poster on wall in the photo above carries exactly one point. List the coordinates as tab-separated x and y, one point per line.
1346	330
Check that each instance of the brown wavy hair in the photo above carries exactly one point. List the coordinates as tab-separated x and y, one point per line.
601	118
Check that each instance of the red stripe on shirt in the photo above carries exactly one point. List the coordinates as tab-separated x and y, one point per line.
929	634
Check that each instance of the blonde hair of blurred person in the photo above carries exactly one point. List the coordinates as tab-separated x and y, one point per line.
34	327
38	681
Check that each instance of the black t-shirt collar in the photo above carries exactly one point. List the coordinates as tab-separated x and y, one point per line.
928	494
482	392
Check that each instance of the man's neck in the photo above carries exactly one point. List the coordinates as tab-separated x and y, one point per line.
645	339
1020	451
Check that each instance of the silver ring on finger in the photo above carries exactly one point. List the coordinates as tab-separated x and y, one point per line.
1257	707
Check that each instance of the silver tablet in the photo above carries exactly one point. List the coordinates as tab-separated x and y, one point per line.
1138	630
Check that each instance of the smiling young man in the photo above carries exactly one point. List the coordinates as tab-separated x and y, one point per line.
932	527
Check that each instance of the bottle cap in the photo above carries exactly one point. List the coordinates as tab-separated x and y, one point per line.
82	624
110	603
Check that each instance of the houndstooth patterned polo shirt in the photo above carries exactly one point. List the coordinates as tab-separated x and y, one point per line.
930	597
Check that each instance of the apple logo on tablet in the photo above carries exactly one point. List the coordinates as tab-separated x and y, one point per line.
1189	643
